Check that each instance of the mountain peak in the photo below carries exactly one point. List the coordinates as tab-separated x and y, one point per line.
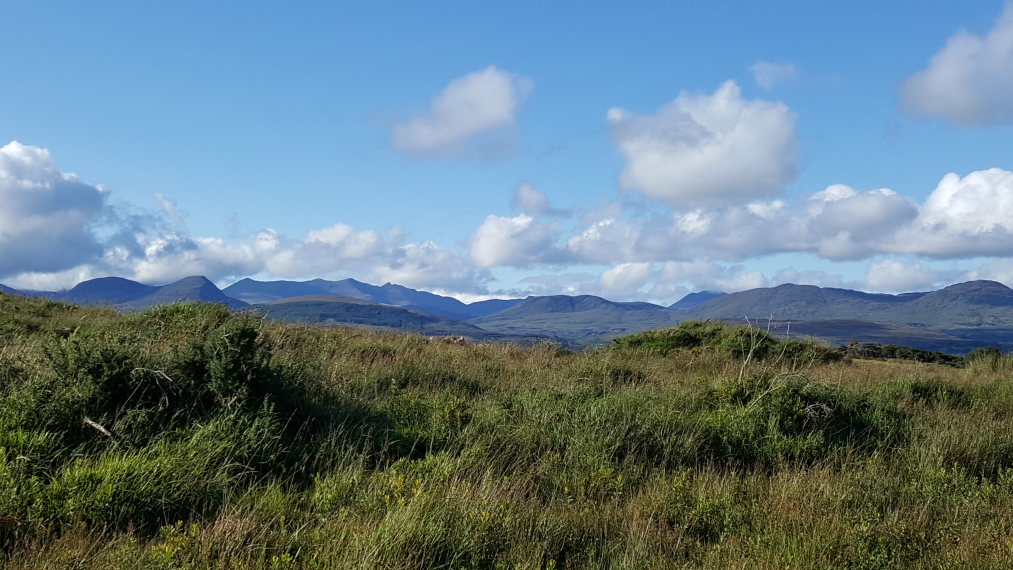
107	290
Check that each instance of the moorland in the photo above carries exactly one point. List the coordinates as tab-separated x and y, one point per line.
189	436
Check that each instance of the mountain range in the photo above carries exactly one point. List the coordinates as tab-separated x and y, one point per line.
954	319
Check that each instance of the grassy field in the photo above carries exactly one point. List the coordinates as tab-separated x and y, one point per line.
186	437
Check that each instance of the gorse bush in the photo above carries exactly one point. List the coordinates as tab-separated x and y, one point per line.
741	342
188	437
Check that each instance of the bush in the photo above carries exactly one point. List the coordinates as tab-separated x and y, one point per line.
741	342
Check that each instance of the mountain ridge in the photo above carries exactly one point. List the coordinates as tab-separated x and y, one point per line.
961	316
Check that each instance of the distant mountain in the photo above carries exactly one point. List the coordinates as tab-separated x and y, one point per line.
9	291
483	308
344	311
842	332
953	319
696	299
972	304
584	320
569	304
127	295
797	302
195	288
106	291
252	291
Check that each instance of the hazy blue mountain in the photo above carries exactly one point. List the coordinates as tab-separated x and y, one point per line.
9	291
972	304
913	336
334	310
571	304
106	291
483	308
252	291
127	295
800	302
584	320
195	288
953	319
696	299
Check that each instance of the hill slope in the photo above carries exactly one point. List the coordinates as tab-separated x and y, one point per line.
332	310
252	291
579	321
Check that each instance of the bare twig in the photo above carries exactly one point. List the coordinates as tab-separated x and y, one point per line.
164	400
97	426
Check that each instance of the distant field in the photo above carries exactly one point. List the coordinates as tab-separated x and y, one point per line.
188	437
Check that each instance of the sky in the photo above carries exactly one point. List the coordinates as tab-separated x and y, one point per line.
635	150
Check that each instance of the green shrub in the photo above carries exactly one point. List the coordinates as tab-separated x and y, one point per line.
742	342
767	420
929	392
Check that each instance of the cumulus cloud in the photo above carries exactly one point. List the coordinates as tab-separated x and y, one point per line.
531	200
625	279
515	241
56	231
843	223
970	81
670	281
1000	270
769	75
963	217
472	112
709	276
46	216
71	233
428	265
839	223
707	150
896	276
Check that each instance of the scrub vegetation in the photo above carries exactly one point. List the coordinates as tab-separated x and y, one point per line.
186	436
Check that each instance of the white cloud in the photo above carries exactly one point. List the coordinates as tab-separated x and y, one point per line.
428	265
610	240
814	277
895	276
843	223
625	279
769	75
568	283
46	216
707	150
516	241
531	200
970	81
708	276
963	217
1000	270
471	112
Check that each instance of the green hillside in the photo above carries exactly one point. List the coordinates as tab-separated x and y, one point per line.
186	436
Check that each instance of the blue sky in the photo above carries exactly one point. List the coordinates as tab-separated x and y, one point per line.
635	150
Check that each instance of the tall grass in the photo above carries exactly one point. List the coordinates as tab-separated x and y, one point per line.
188	437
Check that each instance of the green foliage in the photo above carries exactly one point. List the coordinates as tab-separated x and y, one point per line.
929	392
889	351
742	342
